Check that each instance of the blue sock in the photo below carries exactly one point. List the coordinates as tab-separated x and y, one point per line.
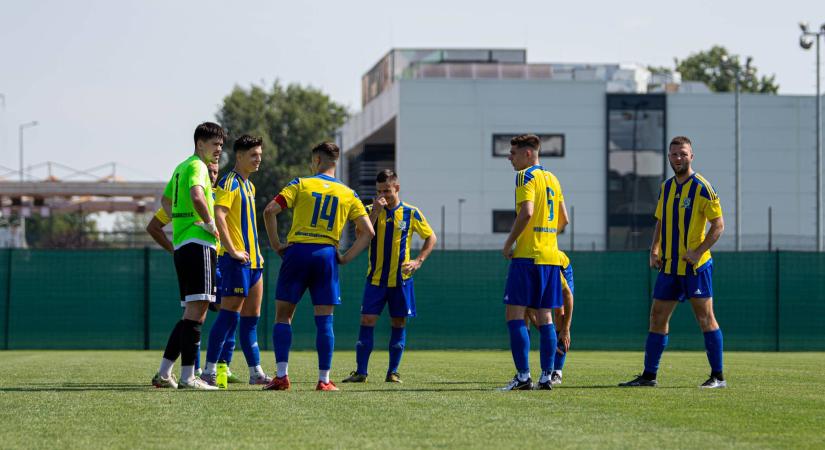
224	324
249	341
198	357
363	348
713	346
519	344
561	355
398	339
547	346
324	341
281	341
654	347
228	347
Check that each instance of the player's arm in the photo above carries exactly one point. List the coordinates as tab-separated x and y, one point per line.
522	219
155	229
375	212
717	226
414	264
566	319
364	234
166	204
563	221
202	209
226	242
271	223
655	246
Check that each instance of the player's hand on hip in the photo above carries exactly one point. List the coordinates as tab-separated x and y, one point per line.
410	266
564	340
280	249
240	256
507	251
341	259
655	261
691	256
209	227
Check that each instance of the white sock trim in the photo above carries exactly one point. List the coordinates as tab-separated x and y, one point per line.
323	376
283	369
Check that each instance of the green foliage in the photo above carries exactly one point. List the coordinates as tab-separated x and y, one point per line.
102	399
70	230
717	68
291	120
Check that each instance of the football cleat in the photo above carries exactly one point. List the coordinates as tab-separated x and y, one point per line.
278	384
162	383
639	381
555	378
196	383
714	383
259	378
355	377
209	378
321	386
232	378
393	377
517	385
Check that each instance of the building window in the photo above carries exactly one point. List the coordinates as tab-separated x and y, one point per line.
503	220
552	145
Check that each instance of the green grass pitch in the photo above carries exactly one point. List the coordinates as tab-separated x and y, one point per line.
102	399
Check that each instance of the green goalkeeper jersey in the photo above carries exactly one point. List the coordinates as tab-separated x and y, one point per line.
191	172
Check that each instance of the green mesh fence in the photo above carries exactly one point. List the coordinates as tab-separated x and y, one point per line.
128	299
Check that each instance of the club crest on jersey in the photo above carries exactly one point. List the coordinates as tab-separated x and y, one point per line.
402	225
686	203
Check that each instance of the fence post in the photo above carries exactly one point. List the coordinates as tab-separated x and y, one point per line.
572	228
6	331
146	297
778	290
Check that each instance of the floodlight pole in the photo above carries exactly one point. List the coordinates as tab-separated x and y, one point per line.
805	43
21	129
737	159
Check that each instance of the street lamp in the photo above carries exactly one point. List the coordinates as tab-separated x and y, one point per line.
23	127
806	41
460	202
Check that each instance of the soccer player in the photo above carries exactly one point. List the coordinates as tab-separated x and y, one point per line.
187	201
240	262
321	206
681	253
155	229
562	317
389	277
534	277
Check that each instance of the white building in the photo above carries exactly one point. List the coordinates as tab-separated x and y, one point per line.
443	120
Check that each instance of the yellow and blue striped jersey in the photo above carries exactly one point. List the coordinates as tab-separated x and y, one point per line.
684	210
321	206
390	248
538	240
238	196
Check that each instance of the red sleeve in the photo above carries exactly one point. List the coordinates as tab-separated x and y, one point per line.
281	201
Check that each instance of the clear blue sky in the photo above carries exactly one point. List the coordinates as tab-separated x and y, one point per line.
128	81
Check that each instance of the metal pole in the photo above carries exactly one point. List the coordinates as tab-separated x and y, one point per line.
20	140
770	229
460	201
738	194
572	228
443	237
818	155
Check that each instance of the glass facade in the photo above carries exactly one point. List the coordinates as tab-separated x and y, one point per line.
635	167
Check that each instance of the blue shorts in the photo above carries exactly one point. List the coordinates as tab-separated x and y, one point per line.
533	285
568	277
683	287
313	267
400	298
236	277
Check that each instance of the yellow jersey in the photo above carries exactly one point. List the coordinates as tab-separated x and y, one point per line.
538	241
684	210
321	206
238	196
390	248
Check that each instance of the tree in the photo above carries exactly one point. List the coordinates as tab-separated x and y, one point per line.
291	120
66	230
717	68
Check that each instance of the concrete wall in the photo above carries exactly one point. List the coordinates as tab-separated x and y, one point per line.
444	151
777	162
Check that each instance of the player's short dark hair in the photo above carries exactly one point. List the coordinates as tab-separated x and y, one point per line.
386	176
680	141
247	142
209	130
327	150
525	141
